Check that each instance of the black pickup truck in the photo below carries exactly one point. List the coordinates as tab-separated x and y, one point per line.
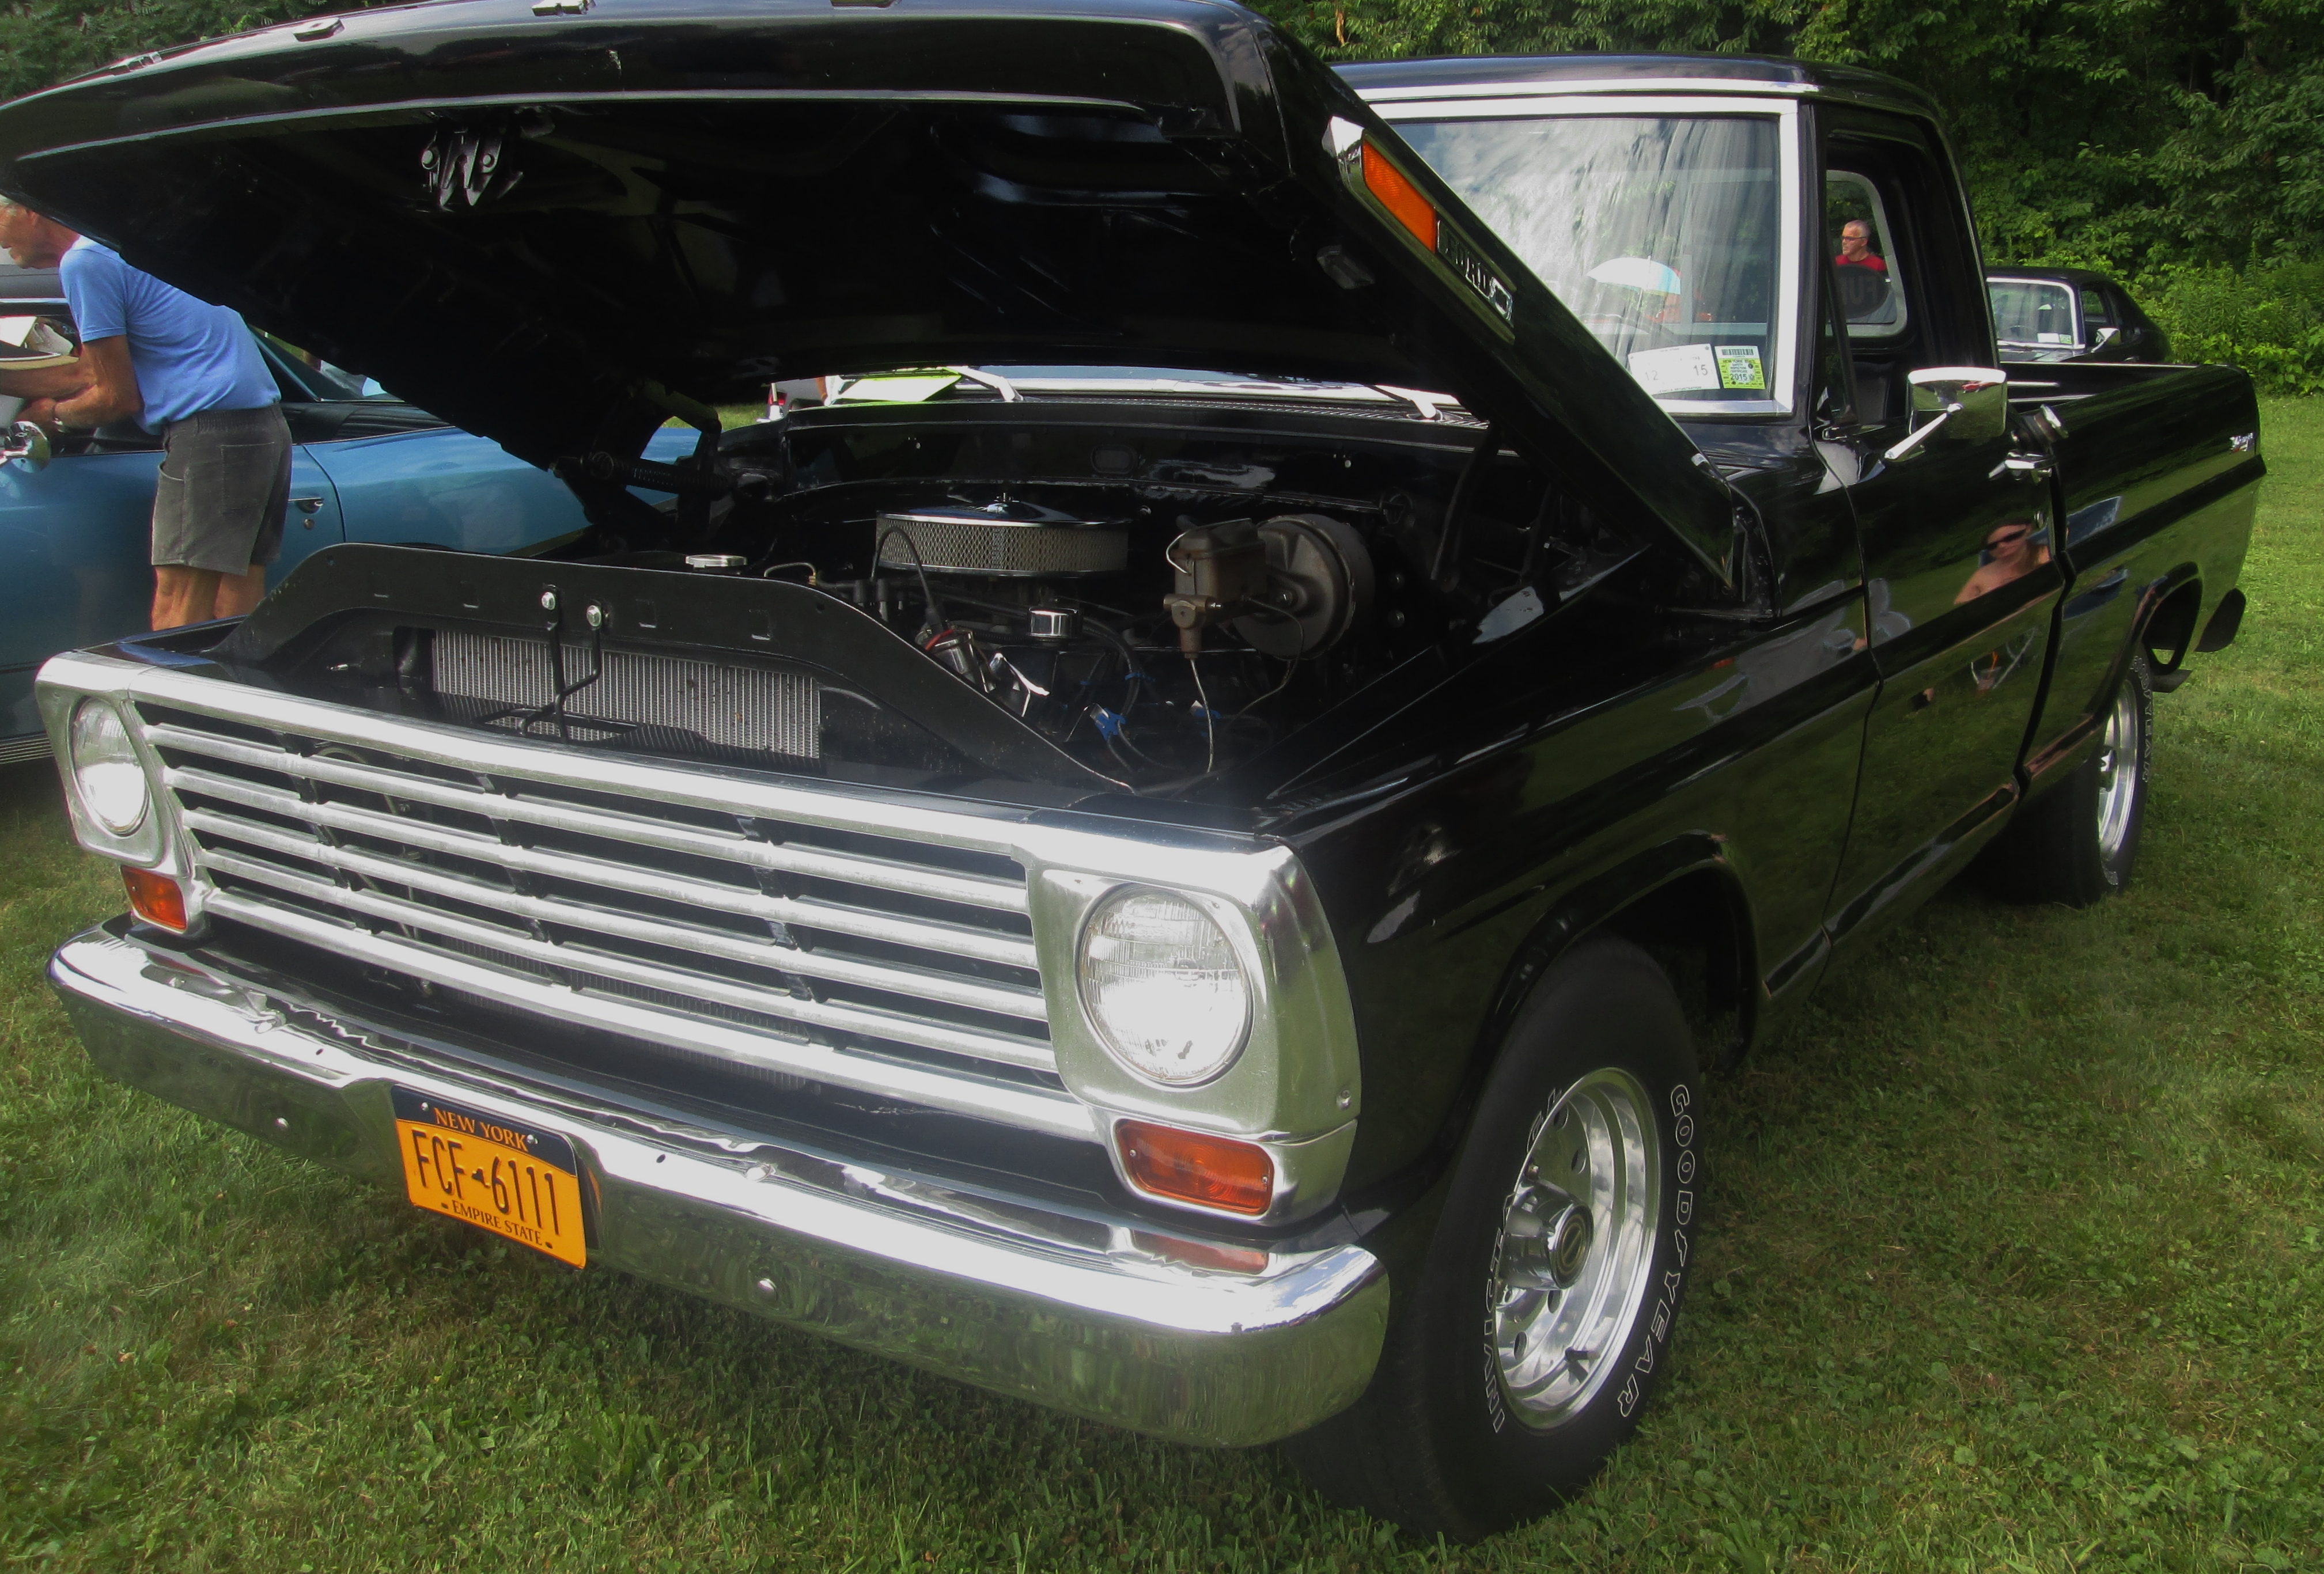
1183	848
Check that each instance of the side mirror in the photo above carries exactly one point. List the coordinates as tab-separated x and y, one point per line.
1962	404
2104	338
27	445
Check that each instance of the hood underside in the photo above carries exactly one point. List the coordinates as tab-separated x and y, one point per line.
553	228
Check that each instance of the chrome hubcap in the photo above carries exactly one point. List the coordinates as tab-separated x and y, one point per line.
1575	1255
2119	773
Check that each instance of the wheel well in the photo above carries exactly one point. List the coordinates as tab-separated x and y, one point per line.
2170	631
1696	928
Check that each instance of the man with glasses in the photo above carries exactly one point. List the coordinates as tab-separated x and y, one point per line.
1856	248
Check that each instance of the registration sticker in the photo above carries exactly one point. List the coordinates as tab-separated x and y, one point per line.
1676	369
517	1182
1738	366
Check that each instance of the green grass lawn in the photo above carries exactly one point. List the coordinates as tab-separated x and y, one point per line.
2016	1262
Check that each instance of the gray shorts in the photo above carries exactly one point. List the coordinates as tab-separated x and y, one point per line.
225	483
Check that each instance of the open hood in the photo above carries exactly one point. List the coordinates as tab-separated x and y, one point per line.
545	219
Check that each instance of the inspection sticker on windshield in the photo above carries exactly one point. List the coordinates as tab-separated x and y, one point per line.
1738	367
1680	369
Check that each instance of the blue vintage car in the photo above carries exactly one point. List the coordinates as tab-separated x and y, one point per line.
74	564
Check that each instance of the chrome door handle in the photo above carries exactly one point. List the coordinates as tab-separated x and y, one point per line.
309	507
2034	468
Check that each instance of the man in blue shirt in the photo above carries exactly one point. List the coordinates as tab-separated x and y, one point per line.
190	371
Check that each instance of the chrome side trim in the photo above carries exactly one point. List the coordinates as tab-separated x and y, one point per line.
1094	1314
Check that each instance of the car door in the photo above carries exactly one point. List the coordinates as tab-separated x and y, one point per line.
1955	532
75	545
312	520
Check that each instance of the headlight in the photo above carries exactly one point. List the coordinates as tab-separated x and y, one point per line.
1163	987
105	769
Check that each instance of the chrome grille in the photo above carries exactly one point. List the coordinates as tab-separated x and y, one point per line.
733	707
787	949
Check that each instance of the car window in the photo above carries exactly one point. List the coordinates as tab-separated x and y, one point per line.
2097	310
306	378
1865	267
2030	311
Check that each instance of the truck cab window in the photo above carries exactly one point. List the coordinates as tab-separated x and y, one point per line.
2031	311
1864	264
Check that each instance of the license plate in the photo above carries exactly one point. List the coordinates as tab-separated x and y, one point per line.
517	1182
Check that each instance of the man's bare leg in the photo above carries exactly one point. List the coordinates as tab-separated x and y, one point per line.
238	592
183	596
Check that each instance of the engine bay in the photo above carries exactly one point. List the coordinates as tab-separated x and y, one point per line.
1160	597
1161	603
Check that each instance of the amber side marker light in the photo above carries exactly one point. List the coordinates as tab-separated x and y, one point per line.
156	898
1214	1172
1400	197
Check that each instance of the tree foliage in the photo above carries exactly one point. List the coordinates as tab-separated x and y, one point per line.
2128	135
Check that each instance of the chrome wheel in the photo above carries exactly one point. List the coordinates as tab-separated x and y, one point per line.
1573	1262
2117	773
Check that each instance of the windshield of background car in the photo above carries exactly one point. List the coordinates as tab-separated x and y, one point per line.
1670	235
2028	311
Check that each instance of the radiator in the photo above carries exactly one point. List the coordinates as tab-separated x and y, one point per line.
754	708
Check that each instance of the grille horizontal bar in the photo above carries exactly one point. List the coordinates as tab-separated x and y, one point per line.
1033	1108
956	938
972	890
574	958
809	949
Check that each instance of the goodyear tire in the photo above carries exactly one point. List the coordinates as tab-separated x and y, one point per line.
1531	1336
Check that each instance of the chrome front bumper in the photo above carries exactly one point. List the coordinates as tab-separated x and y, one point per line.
1085	1313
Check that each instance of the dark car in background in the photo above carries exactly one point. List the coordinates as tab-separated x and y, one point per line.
2070	314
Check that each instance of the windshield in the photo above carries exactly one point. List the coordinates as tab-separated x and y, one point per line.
2029	311
1669	236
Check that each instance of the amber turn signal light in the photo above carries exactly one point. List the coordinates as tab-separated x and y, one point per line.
1400	196
1189	1166
156	898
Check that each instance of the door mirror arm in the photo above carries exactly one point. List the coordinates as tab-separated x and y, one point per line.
1921	433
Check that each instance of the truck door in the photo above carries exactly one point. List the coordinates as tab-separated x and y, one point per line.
1957	541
